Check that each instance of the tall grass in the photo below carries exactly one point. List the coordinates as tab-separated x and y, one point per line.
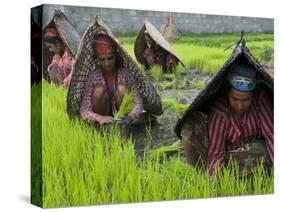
201	59
156	72
205	52
177	107
36	145
75	164
84	166
223	40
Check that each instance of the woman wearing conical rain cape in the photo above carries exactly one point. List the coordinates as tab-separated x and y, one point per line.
62	40
232	117
151	48
103	72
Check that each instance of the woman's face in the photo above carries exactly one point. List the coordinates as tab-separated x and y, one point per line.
57	48
148	40
240	102
107	61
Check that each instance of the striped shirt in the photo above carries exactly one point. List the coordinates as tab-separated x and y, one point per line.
227	133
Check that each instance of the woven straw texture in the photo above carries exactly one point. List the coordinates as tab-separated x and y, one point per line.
86	62
67	33
201	102
140	44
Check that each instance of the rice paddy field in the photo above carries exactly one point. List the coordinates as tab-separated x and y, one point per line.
205	52
73	163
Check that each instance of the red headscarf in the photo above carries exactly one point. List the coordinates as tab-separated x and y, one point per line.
51	32
103	44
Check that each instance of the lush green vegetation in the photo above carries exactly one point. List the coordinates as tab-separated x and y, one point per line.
83	165
177	107
205	52
36	145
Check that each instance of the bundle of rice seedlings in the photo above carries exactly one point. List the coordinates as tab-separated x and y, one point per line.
126	105
178	107
156	72
163	151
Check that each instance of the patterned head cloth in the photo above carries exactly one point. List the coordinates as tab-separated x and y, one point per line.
51	35
51	32
242	77
103	44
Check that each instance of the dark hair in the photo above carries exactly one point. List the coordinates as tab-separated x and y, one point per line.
53	40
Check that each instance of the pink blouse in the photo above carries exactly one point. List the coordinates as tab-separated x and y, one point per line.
65	64
95	78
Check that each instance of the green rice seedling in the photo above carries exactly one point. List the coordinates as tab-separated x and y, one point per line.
205	52
167	85
178	107
223	39
169	77
74	163
203	59
129	46
168	102
156	72
36	145
161	152
231	181
126	106
197	84
175	84
227	179
262	180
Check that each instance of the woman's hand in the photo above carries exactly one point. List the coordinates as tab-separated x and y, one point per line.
54	67
66	81
125	120
104	119
149	56
171	61
150	60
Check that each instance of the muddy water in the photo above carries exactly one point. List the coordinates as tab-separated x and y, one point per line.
160	132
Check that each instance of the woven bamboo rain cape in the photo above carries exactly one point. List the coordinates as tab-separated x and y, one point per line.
86	62
240	54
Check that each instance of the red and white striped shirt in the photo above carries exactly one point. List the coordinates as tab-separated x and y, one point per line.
227	133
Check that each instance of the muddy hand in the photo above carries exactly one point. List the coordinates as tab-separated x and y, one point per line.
125	120
104	119
150	60
66	82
